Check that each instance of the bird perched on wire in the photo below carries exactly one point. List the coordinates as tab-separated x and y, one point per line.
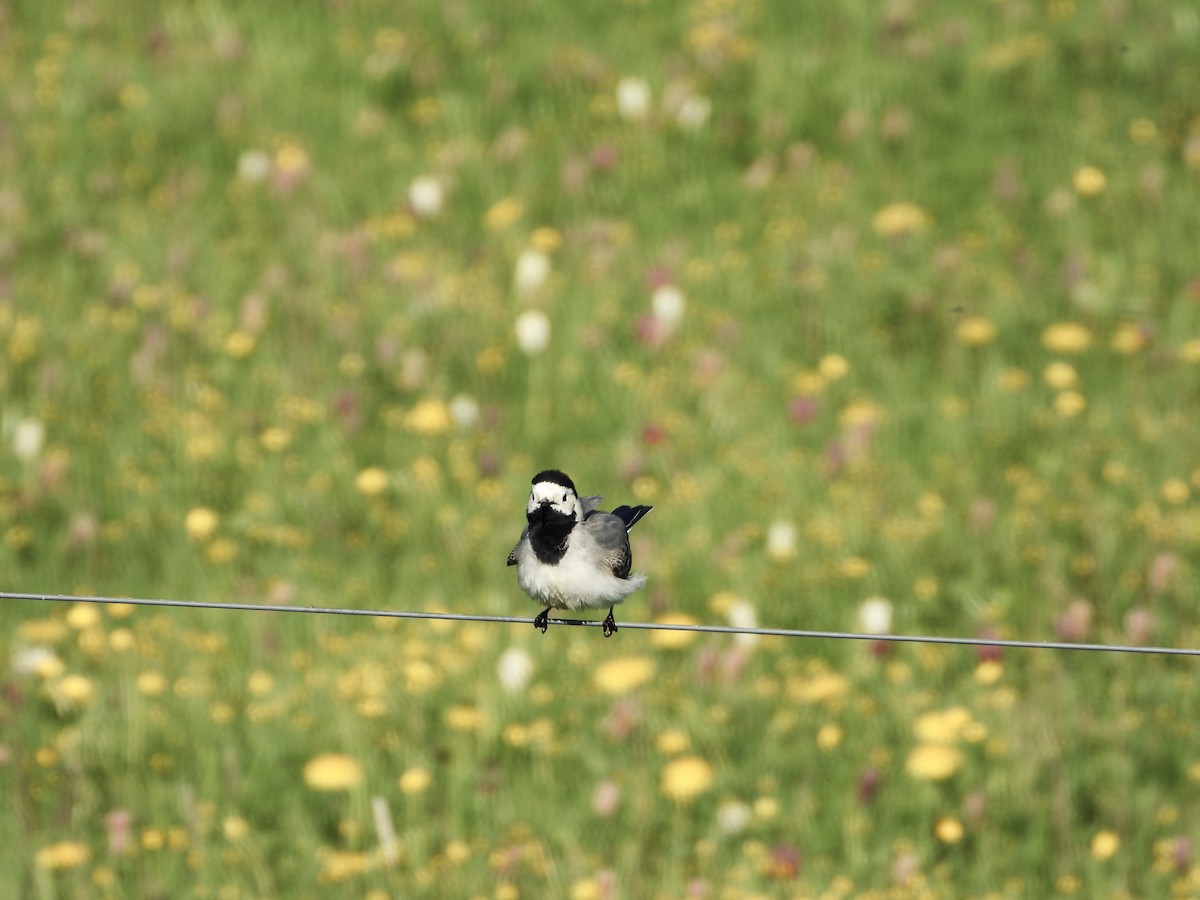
571	555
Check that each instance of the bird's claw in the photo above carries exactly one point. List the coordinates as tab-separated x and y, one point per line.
543	620
610	625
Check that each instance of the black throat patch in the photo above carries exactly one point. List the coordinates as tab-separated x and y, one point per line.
548	533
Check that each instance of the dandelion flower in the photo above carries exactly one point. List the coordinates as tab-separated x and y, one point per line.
733	816
1089	182
83	615
1067	337
975	331
948	830
533	331
933	762
833	366
941	726
200	523
900	220
1069	404
63	855
415	780
686	778
503	214
545	239
333	772
429	417
1105	845
75	690
673	640
623	674
672	742
371	481
1060	376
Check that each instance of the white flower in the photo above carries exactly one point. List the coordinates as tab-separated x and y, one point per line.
28	437
28	660
733	816
633	98
743	615
533	267
425	196
254	165
514	668
694	112
464	411
533	331
875	616
781	540
668	305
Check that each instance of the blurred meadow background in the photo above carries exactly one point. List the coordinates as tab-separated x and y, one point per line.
891	309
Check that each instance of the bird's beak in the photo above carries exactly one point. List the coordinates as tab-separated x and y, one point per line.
538	514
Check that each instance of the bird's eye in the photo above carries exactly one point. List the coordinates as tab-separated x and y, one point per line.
564	498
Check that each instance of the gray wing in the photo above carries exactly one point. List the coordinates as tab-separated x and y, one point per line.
590	504
612	539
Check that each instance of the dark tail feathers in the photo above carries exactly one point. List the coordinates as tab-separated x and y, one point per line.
631	515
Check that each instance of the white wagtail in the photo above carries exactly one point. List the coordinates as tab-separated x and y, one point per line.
571	555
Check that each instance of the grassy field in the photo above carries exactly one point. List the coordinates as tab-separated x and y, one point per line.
891	310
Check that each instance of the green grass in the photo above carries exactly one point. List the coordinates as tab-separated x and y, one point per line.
185	335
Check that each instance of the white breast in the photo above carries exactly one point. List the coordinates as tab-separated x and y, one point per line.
575	582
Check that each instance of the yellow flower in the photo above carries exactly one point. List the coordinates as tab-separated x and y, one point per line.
587	889
1060	376
989	672
240	344
1105	844
942	726
428	417
371	481
1175	491
63	855
948	830
900	219
821	688
1089	182
623	674
504	213
672	741
933	762
415	780
83	615
76	690
545	239
1128	339
151	684
673	640
860	412
1012	379
464	718
1069	404
1067	337
200	523
1189	351
975	331
275	439
686	778
235	828
333	772
291	158
833	366
829	736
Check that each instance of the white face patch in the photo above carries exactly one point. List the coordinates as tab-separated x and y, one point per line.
562	499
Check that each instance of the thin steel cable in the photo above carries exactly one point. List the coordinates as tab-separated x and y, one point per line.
632	626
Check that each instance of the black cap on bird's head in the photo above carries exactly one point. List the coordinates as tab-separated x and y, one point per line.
554	476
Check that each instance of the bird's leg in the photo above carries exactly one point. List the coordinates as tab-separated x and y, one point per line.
610	624
543	619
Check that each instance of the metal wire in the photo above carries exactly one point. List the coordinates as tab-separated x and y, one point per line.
632	626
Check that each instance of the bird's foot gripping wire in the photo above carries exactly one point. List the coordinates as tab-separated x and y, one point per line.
610	624
543	620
